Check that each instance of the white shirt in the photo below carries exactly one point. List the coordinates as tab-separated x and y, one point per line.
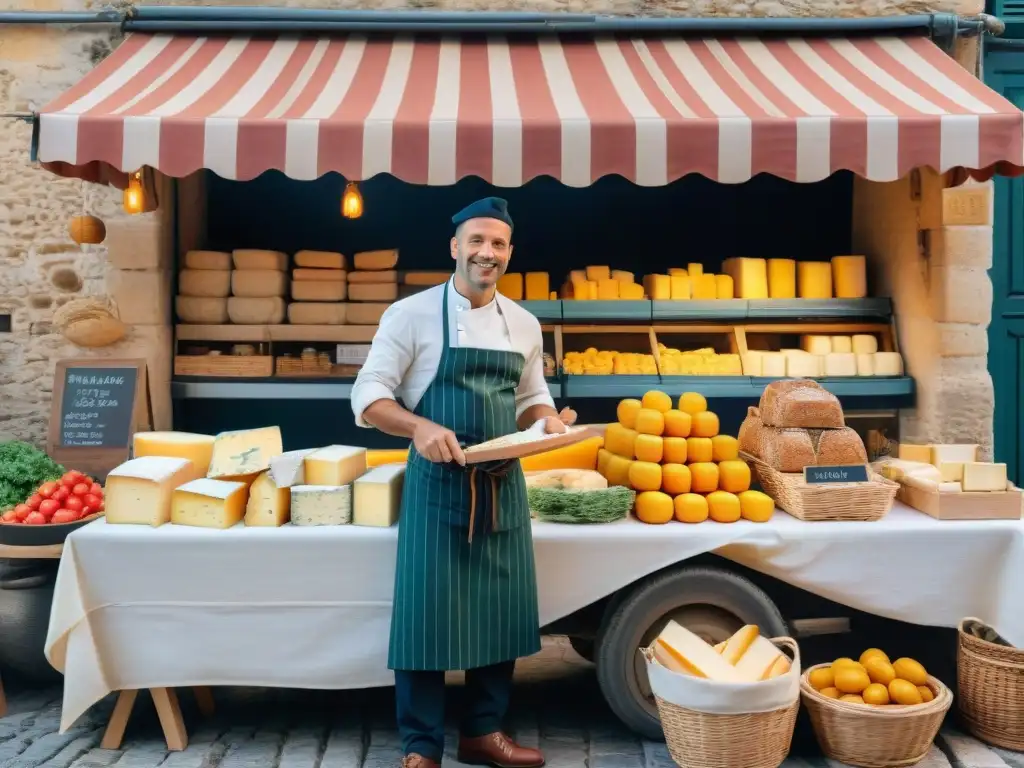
406	349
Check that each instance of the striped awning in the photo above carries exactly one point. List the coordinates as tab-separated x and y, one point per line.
432	111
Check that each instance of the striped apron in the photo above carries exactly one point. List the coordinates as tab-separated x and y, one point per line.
465	586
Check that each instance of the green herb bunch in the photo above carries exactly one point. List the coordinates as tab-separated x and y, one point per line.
23	468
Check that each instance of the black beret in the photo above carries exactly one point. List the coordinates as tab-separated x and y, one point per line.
488	208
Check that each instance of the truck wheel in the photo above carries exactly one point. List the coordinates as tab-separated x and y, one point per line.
710	602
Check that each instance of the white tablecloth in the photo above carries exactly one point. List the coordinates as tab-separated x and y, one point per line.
138	607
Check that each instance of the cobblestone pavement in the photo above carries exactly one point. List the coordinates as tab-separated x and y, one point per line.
557	707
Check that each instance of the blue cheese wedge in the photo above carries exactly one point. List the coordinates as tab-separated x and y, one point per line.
321	504
288	469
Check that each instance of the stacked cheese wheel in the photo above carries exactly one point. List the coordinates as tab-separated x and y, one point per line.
679	464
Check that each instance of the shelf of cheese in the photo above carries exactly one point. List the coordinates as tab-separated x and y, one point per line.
746	657
681	467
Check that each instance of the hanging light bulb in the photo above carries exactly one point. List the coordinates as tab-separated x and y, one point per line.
351	202
134	197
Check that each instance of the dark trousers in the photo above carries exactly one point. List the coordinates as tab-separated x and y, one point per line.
419	699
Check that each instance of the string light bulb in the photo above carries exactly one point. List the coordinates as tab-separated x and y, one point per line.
134	196
352	202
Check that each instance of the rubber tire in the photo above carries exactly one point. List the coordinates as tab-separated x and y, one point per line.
623	631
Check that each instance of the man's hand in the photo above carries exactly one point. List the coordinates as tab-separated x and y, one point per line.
556	424
438	444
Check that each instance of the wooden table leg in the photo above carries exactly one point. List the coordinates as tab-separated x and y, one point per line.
114	735
169	712
3	700
204	700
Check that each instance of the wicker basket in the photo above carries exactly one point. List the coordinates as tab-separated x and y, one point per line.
875	737
860	502
702	740
991	679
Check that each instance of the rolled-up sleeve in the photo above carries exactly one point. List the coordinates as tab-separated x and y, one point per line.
391	354
533	388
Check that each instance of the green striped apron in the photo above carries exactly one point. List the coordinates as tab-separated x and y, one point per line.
465	585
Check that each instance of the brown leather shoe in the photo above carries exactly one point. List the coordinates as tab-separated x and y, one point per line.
498	751
418	761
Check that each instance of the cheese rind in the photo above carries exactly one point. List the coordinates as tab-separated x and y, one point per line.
888	364
841	364
206	503
182	445
376	291
317	313
537	286
373	276
199	310
750	277
268	504
139	491
308	290
207	260
321	505
377	496
376	260
320	275
335	465
691	655
210	283
249	258
981	476
865	344
252	311
245	451
369	313
320	259
781	279
849	277
814	279
659	287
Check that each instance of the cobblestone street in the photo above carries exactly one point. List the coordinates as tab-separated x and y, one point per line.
558	707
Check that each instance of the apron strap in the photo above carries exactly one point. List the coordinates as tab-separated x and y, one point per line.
494	474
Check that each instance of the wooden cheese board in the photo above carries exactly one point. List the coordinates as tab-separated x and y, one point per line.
988	505
521	444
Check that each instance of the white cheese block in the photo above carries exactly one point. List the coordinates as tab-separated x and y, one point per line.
377	496
842	344
950	488
897	469
376	260
259	283
268	504
139	491
198	310
245	451
372	291
865	344
688	654
179	445
865	365
206	503
961	453
320	275
816	345
207	260
755	664
924	483
888	364
373	276
251	311
211	283
804	366
335	465
951	471
773	364
318	291
288	469
320	259
317	313
841	364
366	314
248	258
321	505
982	476
752	363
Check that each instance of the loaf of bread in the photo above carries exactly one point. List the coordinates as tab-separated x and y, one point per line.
749	436
791	449
800	403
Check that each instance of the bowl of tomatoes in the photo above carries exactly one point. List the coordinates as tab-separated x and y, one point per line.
55	509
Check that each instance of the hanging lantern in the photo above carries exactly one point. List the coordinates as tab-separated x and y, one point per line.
134	196
87	230
351	202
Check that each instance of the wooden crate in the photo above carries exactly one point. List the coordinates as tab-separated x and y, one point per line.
237	366
994	505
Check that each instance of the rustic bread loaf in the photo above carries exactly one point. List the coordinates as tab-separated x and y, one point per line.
750	432
791	449
800	403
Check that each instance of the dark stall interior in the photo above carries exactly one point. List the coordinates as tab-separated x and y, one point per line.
558	228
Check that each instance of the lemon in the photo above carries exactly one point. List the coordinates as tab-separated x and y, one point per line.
851	679
879	670
876	694
871	653
853	698
843	660
910	670
692	402
830	693
926	693
904	692
821	678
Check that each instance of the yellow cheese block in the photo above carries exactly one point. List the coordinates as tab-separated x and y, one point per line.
618	470
749	276
581	455
631	291
553	296
577	275
658	287
691	655
679	286
694	269
814	279
737	645
598	273
724	288
622	277
781	279
584	290
377	496
849	277
182	445
386	456
268	505
703	287
912	452
335	465
538	286
980	476
139	491
206	503
511	285
245	451
607	289
759	660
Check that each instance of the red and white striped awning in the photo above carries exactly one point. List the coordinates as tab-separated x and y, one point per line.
432	111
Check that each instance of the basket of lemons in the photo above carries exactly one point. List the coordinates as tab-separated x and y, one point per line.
874	712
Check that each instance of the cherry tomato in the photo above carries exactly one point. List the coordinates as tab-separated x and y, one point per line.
48	507
87	480
96	489
68	481
86	511
74	473
21	514
103	505
61	493
92	501
10	517
35	518
46	490
81	489
75	503
34	501
64	516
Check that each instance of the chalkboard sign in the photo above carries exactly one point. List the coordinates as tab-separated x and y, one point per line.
852	473
98	405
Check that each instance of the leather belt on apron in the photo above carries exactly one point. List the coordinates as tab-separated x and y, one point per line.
494	472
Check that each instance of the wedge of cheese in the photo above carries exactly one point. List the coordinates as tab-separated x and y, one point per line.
759	660
180	445
335	465
377	496
244	452
737	645
288	469
139	491
691	655
321	505
268	504
206	503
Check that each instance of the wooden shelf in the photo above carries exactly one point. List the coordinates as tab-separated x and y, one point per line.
341	334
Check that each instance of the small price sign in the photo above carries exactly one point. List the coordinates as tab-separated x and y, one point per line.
853	473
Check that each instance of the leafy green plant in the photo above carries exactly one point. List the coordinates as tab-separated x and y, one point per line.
23	468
